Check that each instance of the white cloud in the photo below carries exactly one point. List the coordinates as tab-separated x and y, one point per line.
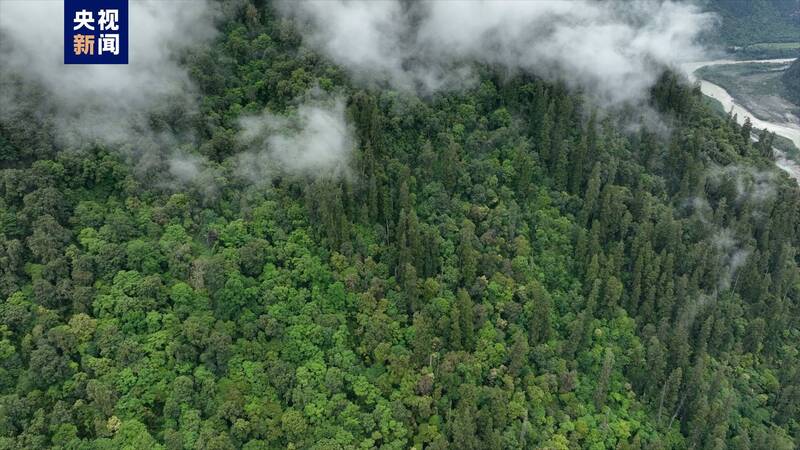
612	50
316	141
105	102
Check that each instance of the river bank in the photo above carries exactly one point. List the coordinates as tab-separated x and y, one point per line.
789	130
756	86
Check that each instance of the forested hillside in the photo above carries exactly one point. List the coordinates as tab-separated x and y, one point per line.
500	267
791	79
749	22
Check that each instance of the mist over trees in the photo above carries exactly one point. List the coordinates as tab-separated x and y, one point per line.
503	265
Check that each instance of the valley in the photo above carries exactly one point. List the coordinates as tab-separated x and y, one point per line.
751	99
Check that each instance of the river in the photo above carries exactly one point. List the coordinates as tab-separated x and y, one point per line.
788	130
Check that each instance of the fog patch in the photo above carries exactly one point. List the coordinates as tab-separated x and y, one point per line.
315	140
752	185
613	51
732	256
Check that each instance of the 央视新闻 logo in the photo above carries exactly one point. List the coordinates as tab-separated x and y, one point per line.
95	31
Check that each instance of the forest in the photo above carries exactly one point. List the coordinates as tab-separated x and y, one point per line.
505	266
791	79
743	23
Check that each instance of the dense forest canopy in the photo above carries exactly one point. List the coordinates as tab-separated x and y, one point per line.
500	266
746	22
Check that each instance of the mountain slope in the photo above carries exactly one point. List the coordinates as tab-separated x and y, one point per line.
756	21
791	79
505	267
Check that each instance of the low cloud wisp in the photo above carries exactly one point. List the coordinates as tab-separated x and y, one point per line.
105	103
614	51
112	105
315	141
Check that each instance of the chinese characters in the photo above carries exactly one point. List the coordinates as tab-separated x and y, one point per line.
96	31
107	21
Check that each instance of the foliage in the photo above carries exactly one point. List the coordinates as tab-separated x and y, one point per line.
743	23
505	269
791	79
